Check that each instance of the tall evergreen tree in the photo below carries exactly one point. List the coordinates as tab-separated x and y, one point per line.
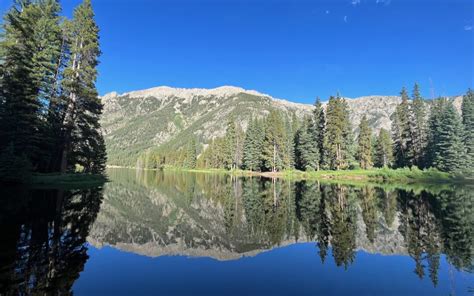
50	113
19	102
319	120
191	155
383	149
253	146
239	146
338	135
81	142
274	144
52	56
290	142
306	150
401	133
467	109
449	153
418	127
364	151
434	130
230	144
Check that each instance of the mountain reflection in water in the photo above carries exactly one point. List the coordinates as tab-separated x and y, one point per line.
151	213
224	217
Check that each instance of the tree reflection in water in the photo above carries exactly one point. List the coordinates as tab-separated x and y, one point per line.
43	249
257	213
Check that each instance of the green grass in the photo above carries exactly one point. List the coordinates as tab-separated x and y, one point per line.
379	175
383	174
389	179
72	180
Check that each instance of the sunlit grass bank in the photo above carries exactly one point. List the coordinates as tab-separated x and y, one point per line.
383	174
408	175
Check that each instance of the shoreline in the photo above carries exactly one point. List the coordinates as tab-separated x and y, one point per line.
378	175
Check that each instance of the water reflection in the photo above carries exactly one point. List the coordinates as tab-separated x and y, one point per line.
42	249
224	217
46	234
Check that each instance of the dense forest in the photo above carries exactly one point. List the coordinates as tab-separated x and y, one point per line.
425	134
49	105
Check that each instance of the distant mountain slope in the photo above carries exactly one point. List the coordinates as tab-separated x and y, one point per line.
136	121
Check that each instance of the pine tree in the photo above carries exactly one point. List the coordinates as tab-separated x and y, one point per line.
449	152
384	152
190	159
418	127
230	141
81	121
434	130
253	144
290	142
338	136
401	133
19	103
319	120
467	108
51	58
364	151
34	41
239	146
274	144
306	150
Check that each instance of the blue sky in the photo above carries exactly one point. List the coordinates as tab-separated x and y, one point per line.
295	50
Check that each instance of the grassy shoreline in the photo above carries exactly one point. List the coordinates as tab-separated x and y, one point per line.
69	180
379	175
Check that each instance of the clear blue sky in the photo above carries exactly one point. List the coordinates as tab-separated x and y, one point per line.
295	50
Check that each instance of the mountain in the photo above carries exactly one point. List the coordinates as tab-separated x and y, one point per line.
167	117
156	214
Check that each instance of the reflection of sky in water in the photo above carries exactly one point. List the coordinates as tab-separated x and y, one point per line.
139	216
291	270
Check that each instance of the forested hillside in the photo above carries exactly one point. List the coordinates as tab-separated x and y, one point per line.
168	117
234	128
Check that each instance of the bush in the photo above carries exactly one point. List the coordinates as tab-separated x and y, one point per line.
354	165
14	169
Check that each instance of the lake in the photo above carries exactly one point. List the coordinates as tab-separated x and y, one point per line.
177	233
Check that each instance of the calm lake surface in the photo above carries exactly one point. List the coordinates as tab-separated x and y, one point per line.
173	233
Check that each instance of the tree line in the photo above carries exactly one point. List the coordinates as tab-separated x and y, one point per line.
49	105
424	134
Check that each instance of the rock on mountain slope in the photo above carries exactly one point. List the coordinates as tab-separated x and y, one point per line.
136	121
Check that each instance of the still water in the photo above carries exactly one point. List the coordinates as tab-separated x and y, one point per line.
155	233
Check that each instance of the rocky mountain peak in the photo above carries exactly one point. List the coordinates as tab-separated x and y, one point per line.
163	92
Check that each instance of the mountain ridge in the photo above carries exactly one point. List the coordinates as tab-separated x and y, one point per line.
224	89
136	121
